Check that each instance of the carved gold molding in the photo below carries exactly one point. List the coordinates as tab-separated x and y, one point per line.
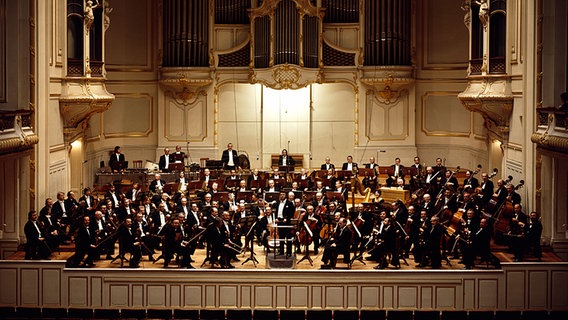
286	76
16	133
388	82
184	86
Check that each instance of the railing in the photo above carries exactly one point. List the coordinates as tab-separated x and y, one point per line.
552	129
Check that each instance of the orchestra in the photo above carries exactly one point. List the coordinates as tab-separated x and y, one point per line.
313	209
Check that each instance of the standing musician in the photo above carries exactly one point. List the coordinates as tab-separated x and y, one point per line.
229	158
512	195
416	173
486	190
411	230
88	200
428	205
179	156
134	194
399	216
51	229
468	228
62	212
385	243
100	227
284	213
311	219
533	232
339	243
439	167
396	171
327	165
36	247
433	238
419	228
228	251
186	246
116	158
501	192
376	252
165	160
285	160
142	231
481	241
172	237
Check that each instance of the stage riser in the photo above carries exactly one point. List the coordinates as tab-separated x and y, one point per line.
519	286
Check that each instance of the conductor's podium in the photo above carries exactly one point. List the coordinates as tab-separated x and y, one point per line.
390	195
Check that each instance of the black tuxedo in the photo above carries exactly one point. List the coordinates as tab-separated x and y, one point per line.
289	160
113	162
35	248
324	166
353	164
225	159
162	163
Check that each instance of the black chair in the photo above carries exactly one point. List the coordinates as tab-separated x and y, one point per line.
481	315
106	313
212	314
133	313
80	313
159	314
239	315
426	315
265	314
292	314
399	315
535	315
186	314
346	315
55	313
507	315
454	315
319	315
373	315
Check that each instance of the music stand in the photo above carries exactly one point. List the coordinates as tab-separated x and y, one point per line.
175	167
366	172
310	195
257	184
303	183
244	195
321	174
249	223
280	183
271	196
194	185
286	169
306	256
232	184
122	165
171	187
324	181
220	196
344	174
298	194
334	196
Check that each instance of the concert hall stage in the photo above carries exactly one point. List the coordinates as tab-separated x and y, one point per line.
44	286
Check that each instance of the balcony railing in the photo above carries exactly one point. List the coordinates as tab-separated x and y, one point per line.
552	129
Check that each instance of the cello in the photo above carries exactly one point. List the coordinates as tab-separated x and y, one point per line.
504	214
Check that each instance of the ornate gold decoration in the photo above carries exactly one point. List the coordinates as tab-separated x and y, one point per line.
286	76
16	133
269	6
551	137
388	82
183	88
80	100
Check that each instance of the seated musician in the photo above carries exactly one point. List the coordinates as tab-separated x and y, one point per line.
449	202
157	185
396	171
449	181
205	178
158	221
467	202
36	247
428	205
470	182
183	182
129	243
124	210
350	166
439	167
84	245
331	177
242	186
339	243
319	201
255	176
486	190
371	181
341	189
271	186
88	200
285	160
276	174
431	180
319	187
142	231
207	201
501	192
233	175
134	193
400	184
327	165
303	176
333	208
51	228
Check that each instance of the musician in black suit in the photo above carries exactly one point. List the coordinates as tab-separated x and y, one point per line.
486	189
128	242
179	156
285	160
416	172
283	215
433	244
229	158
36	247
470	182
327	165
533	232
165	160
371	181
85	245
350	165
396	172
87	200
512	195
339	243
115	159
439	167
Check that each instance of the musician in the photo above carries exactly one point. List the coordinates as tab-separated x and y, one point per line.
327	165
85	245
312	220
284	213
134	194
512	195
448	201
481	241
371	181
255	176
62	211
124	210
102	231
227	234
165	160
116	158
36	247
51	229
229	158
486	189
183	182
206	178
179	156
470	182
396	171
439	167
467	202
158	221
71	202
149	207
285	160
276	174
533	233
319	201
400	184
319	187
432	180
350	166
271	186
88	200
465	236
331	177
129	243
517	231
418	231
339	243
449	181
428	205
172	234
433	238
157	185
501	192
303	176
416	172
409	228
385	243
113	196
341	189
